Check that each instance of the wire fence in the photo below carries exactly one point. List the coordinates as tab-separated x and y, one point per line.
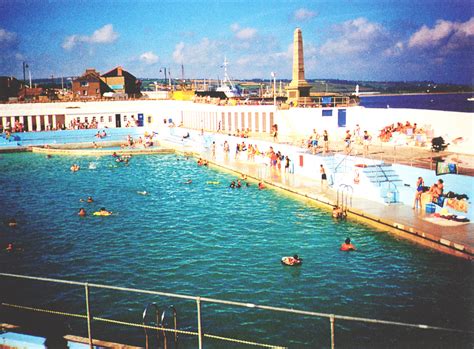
199	333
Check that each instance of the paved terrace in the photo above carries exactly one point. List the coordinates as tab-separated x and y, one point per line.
398	219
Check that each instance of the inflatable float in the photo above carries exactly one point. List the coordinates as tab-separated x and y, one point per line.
291	261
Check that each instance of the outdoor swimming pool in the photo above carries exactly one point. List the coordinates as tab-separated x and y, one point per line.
208	240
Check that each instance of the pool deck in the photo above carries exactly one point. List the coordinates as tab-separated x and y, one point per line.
397	219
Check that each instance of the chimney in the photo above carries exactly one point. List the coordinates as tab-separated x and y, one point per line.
119	71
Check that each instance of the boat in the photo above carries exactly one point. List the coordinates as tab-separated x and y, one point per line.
470	99
227	88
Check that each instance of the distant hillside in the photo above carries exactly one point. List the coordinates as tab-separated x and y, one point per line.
319	85
387	87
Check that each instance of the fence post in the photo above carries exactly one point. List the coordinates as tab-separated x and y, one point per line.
198	305
89	318
331	319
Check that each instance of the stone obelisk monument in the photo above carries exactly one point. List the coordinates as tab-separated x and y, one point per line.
298	89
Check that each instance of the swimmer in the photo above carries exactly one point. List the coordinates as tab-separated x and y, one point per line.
239	184
114	155
142	192
337	212
9	248
232	185
189	181
82	212
89	199
295	260
347	246
261	186
48	156
12	222
75	168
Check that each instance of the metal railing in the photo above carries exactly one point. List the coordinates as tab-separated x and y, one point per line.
200	334
390	182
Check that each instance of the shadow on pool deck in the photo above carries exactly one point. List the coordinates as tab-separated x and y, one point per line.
398	219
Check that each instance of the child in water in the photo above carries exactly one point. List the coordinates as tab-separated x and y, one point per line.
348	246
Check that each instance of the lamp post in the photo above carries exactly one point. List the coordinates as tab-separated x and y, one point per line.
25	65
163	70
274	88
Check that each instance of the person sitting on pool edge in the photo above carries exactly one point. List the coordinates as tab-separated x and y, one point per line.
347	246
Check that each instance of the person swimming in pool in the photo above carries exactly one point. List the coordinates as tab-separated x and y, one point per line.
347	245
295	260
12	222
82	212
261	186
338	212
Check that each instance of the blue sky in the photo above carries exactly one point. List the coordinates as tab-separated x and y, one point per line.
353	39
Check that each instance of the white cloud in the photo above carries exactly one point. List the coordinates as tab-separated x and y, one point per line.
104	35
203	52
149	58
7	38
355	36
395	50
243	33
303	14
451	34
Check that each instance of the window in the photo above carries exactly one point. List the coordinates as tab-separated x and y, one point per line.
110	118
149	119
84	83
327	112
97	90
125	118
84	92
101	119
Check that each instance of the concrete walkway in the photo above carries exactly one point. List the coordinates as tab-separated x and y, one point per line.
398	219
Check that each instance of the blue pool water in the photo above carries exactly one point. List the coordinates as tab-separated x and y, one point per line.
208	240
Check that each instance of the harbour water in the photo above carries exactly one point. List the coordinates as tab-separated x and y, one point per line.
206	239
448	101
